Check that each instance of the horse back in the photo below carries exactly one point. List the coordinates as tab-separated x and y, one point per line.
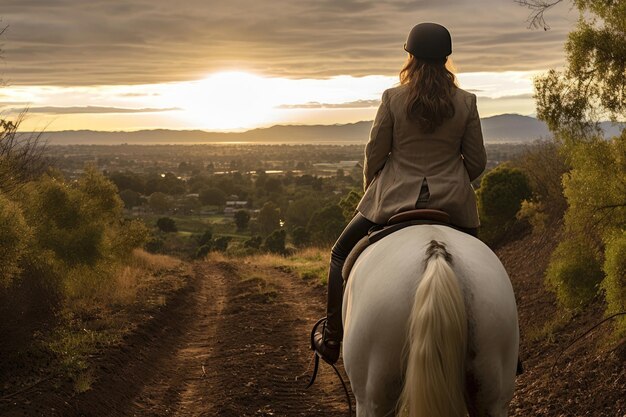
379	297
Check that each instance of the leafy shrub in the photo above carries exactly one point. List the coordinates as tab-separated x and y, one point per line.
500	197
203	251
154	244
574	272
221	243
167	225
349	202
206	238
275	242
130	234
614	285
64	221
14	237
254	242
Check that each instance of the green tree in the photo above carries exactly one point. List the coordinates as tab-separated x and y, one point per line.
593	85
212	196
269	218
64	222
349	202
500	197
100	197
242	218
128	181
326	225
300	237
300	211
130	198
273	185
572	102
159	202
167	225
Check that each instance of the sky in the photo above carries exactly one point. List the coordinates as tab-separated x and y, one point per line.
242	64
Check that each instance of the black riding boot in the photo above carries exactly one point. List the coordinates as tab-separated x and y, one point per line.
328	341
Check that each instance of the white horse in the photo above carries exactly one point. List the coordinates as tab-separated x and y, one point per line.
431	327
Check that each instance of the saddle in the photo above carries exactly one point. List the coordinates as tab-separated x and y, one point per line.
395	223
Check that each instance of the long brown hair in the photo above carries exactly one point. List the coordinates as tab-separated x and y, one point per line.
431	87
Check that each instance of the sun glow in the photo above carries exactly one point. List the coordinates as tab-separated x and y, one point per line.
226	100
238	100
232	100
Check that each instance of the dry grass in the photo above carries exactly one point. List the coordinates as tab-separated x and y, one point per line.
129	279
153	263
309	263
97	297
93	288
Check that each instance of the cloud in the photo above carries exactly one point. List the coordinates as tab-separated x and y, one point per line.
86	110
505	98
359	104
73	42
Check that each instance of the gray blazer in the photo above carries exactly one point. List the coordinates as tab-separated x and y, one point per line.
399	156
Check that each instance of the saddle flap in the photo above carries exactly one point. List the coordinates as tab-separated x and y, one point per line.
420	214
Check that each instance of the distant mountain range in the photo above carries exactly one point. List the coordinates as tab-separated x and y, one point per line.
501	128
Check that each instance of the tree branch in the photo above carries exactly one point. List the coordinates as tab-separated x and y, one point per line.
537	9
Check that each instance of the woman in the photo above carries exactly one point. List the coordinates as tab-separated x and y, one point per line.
425	148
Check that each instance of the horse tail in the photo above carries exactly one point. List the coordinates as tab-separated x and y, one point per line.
435	373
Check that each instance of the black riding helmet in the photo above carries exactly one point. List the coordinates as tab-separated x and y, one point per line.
429	41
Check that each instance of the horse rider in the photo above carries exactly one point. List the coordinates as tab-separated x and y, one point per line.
425	149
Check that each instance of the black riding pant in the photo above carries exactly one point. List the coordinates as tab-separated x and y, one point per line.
354	231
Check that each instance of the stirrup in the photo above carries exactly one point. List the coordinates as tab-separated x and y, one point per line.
315	354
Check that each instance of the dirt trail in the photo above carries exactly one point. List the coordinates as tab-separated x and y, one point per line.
245	344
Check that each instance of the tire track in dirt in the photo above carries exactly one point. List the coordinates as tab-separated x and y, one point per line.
245	345
264	348
181	384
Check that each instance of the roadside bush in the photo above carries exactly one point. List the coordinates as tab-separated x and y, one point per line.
500	197
64	221
14	237
614	285
574	273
